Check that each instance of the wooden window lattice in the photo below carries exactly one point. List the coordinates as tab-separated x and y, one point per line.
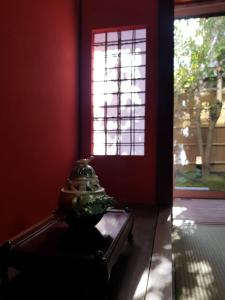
118	92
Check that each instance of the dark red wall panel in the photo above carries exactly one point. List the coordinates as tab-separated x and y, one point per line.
129	179
38	114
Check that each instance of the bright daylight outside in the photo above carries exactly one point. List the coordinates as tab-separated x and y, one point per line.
199	104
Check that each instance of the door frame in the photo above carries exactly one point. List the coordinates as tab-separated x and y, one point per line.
195	10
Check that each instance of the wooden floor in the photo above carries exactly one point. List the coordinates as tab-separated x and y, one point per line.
144	273
130	278
160	285
144	270
205	211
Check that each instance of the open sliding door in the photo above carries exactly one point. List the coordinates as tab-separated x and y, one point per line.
199	98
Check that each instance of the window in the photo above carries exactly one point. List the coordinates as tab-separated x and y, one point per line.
118	92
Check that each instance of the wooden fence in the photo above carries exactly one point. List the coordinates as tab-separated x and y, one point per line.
185	138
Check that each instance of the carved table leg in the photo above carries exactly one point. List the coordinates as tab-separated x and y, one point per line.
130	237
103	278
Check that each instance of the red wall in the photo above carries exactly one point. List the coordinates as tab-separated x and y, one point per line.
38	114
129	179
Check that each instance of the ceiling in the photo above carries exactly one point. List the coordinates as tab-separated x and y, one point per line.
177	2
191	8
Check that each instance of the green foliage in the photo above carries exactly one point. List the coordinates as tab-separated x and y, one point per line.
215	182
197	54
215	109
180	181
90	205
199	59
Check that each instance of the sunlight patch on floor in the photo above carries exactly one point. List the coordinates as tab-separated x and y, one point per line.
177	210
160	277
183	223
142	285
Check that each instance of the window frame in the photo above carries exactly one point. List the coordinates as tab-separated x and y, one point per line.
131	145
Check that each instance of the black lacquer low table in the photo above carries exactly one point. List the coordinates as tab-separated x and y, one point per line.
67	260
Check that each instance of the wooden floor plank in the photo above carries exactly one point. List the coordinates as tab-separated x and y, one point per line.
160	277
206	211
130	275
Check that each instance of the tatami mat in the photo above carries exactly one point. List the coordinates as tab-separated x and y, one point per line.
199	261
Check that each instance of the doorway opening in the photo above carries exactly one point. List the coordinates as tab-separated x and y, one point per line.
199	106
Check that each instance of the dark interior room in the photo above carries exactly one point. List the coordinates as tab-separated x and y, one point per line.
48	93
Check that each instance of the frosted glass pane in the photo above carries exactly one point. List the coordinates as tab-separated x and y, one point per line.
125	125
125	111
125	99
99	37
111	149
139	150
125	150
112	99
126	73
138	98
140	124
139	137
139	59
99	149
126	86
140	47
99	50
126	35
118	87
112	112
112	74
98	100
139	86
98	88
98	74
111	87
99	137
126	49
126	60
112	124
139	72
112	36
125	137
111	137
141	33
98	112
100	57
112	50
112	61
139	111
98	125
99	62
